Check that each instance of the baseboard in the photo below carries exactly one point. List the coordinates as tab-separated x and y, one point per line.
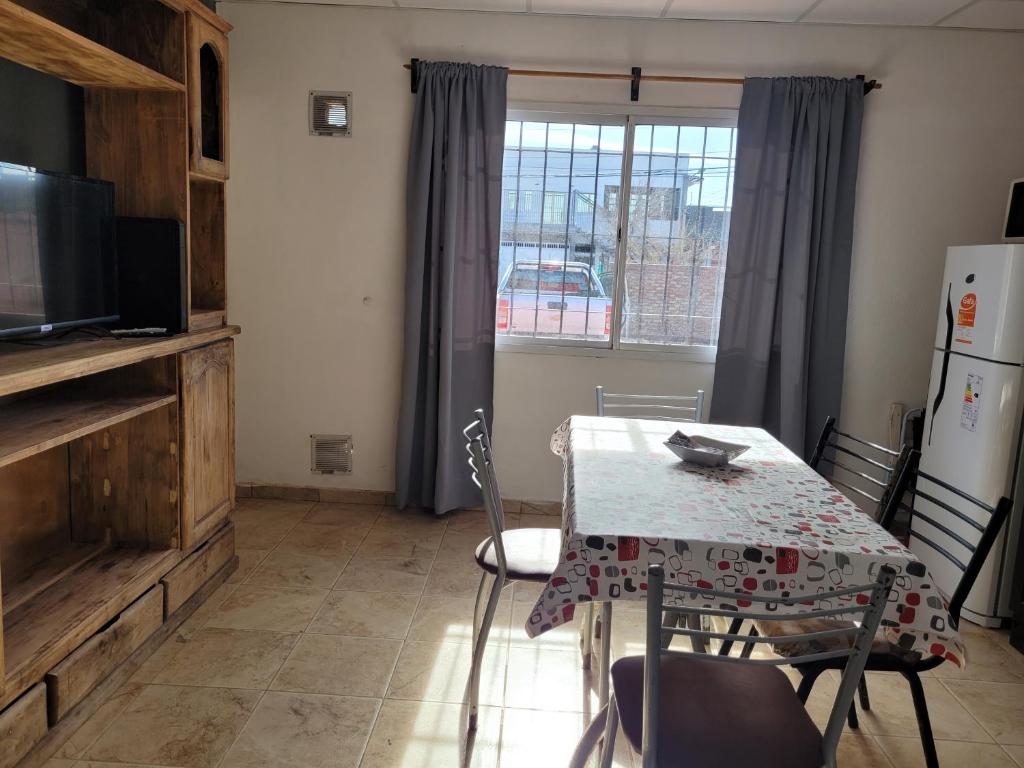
357	496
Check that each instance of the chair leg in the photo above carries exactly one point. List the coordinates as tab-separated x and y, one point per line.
589	739
479	645
587	635
748	648
924	725
734	629
862	689
809	677
851	717
611	729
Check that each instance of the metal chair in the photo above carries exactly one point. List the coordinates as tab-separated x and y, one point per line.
973	544
744	707
521	554
876	475
662	407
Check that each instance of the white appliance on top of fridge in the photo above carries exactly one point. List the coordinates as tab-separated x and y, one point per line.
972	429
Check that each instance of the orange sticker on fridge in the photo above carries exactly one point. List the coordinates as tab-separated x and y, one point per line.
965	318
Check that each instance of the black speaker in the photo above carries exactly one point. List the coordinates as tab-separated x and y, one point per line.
152	274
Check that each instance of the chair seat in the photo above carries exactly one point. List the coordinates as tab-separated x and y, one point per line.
719	715
880	646
530	553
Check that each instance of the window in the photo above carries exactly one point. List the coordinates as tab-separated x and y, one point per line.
576	269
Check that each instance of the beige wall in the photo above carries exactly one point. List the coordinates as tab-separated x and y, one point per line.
316	224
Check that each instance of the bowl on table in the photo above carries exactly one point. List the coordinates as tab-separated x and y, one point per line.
704	451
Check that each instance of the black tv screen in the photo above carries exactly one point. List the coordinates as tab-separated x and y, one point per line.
58	264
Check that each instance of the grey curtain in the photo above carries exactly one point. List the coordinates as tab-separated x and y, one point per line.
784	304
453	210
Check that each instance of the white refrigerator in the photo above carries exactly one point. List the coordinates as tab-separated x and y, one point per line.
972	429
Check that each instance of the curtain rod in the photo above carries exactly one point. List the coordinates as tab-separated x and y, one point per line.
635	76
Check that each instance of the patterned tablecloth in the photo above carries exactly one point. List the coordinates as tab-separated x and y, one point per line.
767	523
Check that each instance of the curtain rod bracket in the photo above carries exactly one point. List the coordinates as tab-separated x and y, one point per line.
414	68
869	85
634	85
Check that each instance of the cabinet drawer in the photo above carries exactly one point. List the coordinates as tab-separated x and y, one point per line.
72	680
196	569
22	726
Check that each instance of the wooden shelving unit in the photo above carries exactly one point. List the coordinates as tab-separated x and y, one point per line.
117	456
55	50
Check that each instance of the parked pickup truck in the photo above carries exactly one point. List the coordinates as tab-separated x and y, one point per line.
569	301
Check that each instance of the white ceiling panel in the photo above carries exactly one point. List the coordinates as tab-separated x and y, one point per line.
898	12
745	10
467	5
635	8
990	14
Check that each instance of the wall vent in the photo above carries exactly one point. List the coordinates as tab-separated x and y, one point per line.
330	454
330	113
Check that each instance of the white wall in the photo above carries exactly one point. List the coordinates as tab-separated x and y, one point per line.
316	225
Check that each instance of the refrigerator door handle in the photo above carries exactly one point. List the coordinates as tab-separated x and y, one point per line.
945	361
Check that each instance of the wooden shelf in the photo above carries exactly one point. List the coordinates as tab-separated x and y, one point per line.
38	423
45	574
23	368
48	623
205	318
37	42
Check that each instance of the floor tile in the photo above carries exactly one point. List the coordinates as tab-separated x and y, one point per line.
298	730
450	620
262	523
405	576
291	569
274	610
392	542
990	658
365	614
1016	752
453	578
999	707
416	734
248	559
892	711
176	726
99	721
334	664
551	680
908	753
354	517
858	750
535	738
440	672
228	658
321	540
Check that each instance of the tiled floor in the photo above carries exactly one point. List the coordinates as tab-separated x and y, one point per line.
343	640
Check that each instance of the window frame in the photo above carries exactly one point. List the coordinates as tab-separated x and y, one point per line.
627	116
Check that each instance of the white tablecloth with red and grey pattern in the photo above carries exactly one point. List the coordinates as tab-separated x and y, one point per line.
766	523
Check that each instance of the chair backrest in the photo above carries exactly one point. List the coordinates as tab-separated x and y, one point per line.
970	529
661	407
874	474
864	603
481	461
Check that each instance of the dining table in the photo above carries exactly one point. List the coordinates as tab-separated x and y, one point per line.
765	522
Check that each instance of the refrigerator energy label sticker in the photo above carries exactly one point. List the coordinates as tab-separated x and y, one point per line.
965	318
972	403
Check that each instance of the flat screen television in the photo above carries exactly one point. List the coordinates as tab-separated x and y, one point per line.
58	261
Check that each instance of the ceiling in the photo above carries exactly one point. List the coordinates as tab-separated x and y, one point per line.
972	14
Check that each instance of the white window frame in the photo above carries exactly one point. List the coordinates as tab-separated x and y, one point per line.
628	116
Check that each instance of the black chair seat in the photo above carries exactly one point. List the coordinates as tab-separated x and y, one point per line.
719	715
531	553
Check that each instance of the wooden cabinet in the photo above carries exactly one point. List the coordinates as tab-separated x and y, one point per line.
206	378
208	98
